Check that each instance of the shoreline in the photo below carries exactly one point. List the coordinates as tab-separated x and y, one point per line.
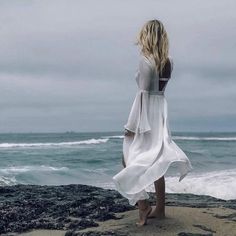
78	209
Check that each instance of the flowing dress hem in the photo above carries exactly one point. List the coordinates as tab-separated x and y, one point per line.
133	197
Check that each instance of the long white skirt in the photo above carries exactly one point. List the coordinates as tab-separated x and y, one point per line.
149	153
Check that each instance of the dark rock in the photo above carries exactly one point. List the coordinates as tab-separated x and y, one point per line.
76	206
26	207
105	233
82	224
193	234
204	228
70	233
231	216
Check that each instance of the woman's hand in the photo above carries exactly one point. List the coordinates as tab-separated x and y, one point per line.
129	133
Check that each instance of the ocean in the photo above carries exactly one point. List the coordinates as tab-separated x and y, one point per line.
93	158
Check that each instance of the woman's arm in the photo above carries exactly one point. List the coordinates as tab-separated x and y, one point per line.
145	73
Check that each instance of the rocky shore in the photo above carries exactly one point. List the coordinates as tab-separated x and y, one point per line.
74	208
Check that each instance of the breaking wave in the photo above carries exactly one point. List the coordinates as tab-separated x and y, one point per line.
20	145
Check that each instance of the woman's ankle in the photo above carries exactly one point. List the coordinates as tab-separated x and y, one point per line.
143	205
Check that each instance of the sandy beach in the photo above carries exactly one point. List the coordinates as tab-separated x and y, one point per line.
57	210
178	221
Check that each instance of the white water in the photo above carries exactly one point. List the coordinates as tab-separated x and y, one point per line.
23	169
17	145
205	138
104	139
220	184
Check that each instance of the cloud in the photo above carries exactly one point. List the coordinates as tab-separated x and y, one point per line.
67	62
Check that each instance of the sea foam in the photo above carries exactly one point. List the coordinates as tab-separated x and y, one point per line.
20	145
27	168
220	184
205	138
195	138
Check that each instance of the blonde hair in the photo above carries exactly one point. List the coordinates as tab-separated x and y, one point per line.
154	42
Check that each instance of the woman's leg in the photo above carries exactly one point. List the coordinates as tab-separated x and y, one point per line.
144	210
159	210
143	205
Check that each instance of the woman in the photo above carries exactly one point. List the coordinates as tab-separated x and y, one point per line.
148	148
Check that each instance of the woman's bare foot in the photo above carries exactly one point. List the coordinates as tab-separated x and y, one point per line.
143	215
155	213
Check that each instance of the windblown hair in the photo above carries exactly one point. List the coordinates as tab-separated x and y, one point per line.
154	42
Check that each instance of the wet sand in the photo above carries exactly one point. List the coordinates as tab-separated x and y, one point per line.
178	221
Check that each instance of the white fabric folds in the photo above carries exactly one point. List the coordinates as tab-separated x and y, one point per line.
138	118
150	152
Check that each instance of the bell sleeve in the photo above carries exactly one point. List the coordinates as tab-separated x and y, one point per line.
138	118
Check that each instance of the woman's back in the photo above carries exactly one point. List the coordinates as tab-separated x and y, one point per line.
149	79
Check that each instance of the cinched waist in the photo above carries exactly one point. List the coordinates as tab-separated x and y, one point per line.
152	92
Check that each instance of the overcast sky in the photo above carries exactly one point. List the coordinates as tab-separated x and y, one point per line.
70	65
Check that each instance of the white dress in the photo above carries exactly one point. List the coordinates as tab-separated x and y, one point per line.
149	153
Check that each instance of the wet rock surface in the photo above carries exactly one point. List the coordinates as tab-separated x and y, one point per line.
193	234
76	206
203	227
96	233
